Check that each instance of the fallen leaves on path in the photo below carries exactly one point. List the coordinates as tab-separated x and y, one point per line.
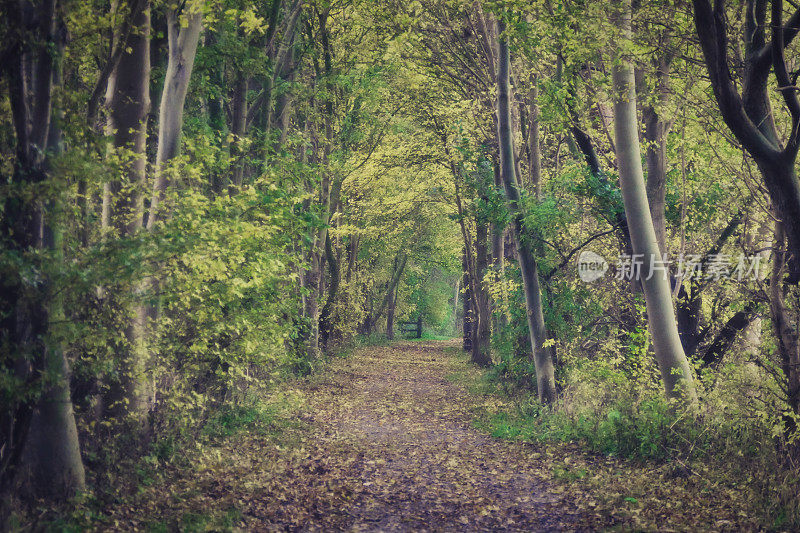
386	442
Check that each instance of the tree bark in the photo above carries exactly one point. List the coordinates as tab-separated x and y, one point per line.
672	362
469	321
655	134
390	314
326	316
326	198
311	308
498	254
238	129
534	152
286	67
785	331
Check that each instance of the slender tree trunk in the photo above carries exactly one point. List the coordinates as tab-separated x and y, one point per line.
469	314
391	286
182	49
326	316
785	331
283	103
655	134
216	113
352	254
326	201
534	152
238	129
672	362
498	255
543	356
311	309
390	314
481	354
456	294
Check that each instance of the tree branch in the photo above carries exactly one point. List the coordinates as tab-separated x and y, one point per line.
712	32
568	257
785	84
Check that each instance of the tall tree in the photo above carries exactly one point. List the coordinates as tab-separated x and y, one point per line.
128	103
184	24
45	421
542	354
672	361
749	114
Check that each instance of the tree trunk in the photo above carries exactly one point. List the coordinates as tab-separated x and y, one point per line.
672	362
53	447
326	316
55	455
47	433
655	134
128	103
469	314
543	356
238	129
481	354
785	331
283	103
182	49
456	294
390	314
498	257
688	306
311	308
534	152
325	201
656	129
749	115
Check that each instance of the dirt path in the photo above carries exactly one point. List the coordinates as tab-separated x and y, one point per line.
395	451
384	442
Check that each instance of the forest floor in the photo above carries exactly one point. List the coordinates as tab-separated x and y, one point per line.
385	440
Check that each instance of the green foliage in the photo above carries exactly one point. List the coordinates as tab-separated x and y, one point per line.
252	415
612	414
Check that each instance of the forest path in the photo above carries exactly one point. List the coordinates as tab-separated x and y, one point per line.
380	440
395	450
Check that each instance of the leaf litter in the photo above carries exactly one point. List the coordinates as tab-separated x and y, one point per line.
384	440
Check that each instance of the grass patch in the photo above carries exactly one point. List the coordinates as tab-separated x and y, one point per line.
627	455
427	336
264	417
